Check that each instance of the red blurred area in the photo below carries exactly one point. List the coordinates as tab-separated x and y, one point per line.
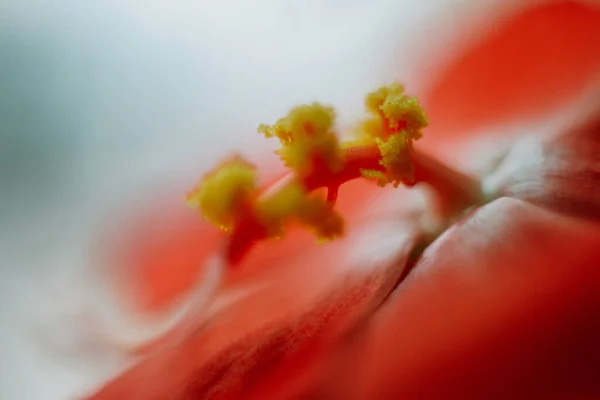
292	291
163	253
505	305
528	66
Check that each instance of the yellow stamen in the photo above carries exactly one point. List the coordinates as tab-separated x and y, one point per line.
395	157
399	121
274	210
224	193
307	137
375	99
293	202
229	198
397	111
320	217
369	130
377	176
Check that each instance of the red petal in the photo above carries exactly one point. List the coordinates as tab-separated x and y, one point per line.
160	254
292	289
530	65
503	306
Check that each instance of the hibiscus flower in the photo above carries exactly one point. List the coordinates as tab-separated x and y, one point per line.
472	284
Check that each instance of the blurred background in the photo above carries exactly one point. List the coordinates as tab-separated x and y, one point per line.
107	104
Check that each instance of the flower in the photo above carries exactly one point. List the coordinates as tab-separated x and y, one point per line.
503	303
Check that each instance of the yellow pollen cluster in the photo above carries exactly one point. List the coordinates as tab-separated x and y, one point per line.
225	193
395	157
397	111
397	121
293	202
229	196
306	138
